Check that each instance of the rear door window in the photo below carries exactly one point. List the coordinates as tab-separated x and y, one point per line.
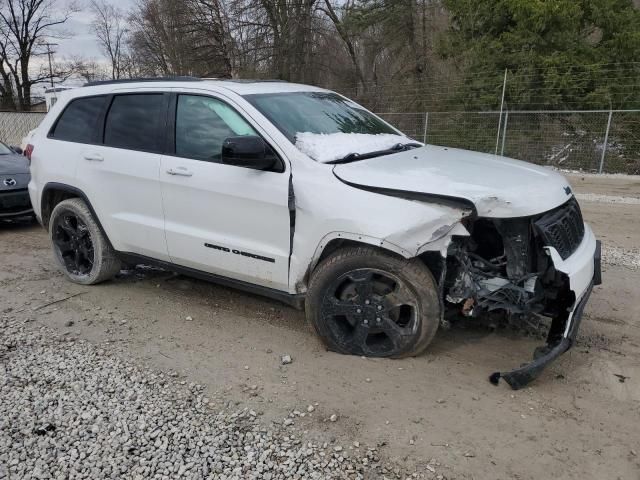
78	122
136	122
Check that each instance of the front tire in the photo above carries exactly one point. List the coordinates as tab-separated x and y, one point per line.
363	301
79	247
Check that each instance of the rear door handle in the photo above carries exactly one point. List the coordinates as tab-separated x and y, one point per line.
94	157
180	171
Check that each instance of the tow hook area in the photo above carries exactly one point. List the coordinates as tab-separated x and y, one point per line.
544	355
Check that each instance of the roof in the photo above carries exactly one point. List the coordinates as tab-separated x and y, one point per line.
239	86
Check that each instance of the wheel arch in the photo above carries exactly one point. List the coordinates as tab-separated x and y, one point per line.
53	193
337	240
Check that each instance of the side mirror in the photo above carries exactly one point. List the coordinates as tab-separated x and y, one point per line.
248	151
18	150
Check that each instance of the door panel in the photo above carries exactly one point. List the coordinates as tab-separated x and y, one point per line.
124	189
223	219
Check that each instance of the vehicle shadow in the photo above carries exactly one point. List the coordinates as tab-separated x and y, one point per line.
18	224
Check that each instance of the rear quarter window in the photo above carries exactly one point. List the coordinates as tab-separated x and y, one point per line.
79	120
135	121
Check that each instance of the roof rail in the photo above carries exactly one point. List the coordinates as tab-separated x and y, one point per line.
138	80
256	80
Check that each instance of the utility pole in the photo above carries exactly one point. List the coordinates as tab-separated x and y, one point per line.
49	54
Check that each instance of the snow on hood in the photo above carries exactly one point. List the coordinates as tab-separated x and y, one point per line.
325	147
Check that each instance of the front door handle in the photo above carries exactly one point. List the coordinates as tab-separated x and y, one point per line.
94	157
180	171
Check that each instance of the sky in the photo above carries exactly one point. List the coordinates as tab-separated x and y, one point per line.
83	43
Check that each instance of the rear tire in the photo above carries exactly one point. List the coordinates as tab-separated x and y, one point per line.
363	301
82	252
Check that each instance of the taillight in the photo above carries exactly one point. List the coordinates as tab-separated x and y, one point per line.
28	152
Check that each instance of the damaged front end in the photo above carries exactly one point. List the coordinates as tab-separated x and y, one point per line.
515	266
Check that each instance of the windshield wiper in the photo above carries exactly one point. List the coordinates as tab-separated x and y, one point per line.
354	157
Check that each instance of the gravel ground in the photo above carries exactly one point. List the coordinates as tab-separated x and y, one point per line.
628	258
70	410
594	197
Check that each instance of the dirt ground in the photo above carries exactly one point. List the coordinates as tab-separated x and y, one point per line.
581	419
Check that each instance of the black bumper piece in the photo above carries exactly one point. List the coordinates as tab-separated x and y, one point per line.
597	260
15	203
522	376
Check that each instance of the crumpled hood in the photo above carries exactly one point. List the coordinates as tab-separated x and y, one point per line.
499	187
13	164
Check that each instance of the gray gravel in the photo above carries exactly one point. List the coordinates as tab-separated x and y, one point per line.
597	198
69	409
622	257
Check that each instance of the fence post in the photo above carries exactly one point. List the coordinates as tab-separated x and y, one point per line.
504	132
426	123
606	141
504	89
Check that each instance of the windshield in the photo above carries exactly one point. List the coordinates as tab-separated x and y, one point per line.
316	112
4	150
325	125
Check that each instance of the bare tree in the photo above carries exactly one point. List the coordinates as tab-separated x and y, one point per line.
111	30
213	45
89	69
181	37
25	26
276	35
344	33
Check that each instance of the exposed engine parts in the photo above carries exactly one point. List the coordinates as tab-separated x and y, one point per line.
504	266
495	269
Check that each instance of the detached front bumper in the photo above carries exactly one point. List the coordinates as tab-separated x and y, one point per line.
15	204
584	271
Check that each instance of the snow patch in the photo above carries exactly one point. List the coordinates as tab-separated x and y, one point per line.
333	146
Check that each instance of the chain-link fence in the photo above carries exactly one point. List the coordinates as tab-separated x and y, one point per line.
15	125
595	141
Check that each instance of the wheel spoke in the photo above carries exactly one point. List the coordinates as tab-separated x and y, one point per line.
392	329
83	232
363	284
360	334
64	246
333	307
86	253
76	259
398	297
67	227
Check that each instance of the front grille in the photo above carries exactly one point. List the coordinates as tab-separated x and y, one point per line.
562	228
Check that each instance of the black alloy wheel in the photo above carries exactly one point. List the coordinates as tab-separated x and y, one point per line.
72	239
371	312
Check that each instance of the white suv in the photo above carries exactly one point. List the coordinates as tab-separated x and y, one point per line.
300	194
